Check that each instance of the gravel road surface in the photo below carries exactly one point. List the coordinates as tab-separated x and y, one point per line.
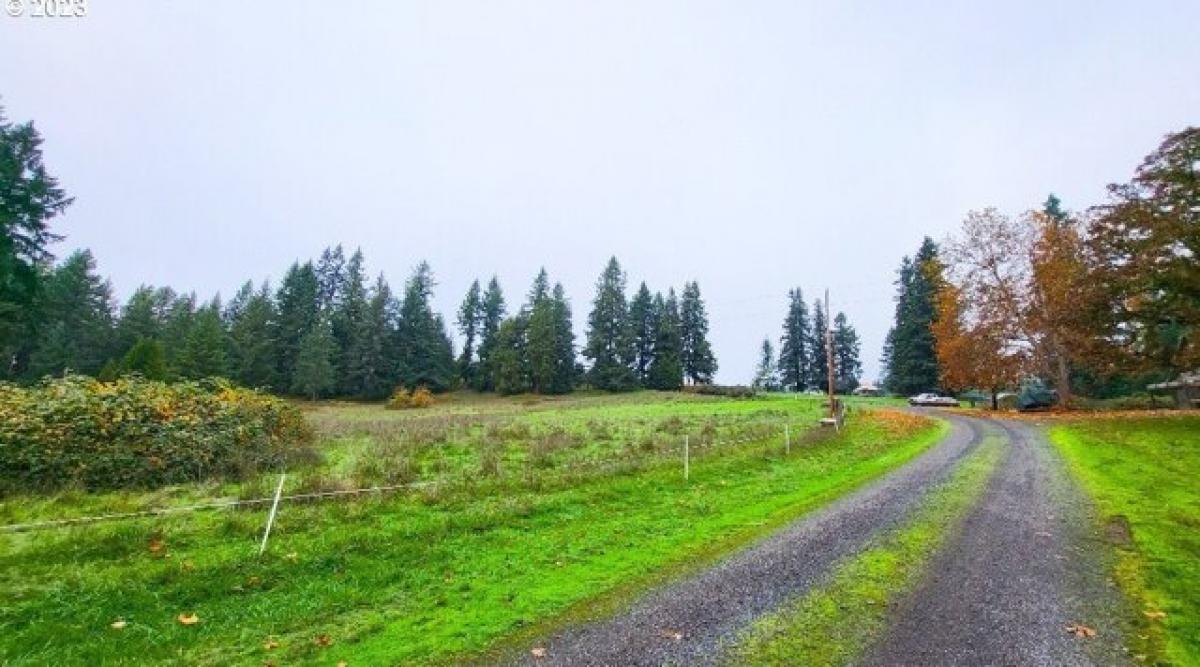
684	623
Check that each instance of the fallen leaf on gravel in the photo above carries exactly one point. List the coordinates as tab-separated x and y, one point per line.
1155	615
270	644
188	619
323	640
672	634
119	624
1080	630
538	651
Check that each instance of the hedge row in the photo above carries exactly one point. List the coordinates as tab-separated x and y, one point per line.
135	432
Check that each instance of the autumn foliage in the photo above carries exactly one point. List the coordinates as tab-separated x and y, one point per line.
139	433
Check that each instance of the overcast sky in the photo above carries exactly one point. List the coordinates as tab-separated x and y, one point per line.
752	146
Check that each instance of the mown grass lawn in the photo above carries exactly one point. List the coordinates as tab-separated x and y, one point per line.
1146	472
435	575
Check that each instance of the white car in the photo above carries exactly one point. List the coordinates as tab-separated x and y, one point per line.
933	400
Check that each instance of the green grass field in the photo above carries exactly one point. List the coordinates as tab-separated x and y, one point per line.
550	510
1145	474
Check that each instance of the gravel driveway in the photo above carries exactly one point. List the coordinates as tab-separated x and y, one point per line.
1002	592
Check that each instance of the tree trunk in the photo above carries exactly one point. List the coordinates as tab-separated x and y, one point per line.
1063	377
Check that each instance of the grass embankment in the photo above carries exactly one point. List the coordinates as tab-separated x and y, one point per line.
836	623
431	576
1143	473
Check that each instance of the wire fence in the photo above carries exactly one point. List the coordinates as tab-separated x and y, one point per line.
760	432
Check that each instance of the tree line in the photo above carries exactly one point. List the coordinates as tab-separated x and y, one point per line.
326	330
803	359
1098	302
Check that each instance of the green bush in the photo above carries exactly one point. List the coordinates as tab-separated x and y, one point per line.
135	432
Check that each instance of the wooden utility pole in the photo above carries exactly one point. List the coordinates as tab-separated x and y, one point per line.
829	356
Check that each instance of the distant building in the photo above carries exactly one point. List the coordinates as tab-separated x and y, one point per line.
1186	389
868	389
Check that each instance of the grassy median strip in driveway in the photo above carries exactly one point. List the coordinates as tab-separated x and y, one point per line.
1143	472
411	579
836	623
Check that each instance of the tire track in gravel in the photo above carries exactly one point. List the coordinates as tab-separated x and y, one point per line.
1027	563
686	622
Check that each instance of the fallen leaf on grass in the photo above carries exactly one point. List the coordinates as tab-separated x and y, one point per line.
119	624
157	545
323	640
187	566
1155	615
270	644
188	619
292	556
538	651
1080	630
341	663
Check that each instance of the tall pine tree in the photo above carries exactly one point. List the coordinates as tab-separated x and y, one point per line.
314	375
820	359
470	321
764	375
641	320
846	364
76	328
252	337
205	349
910	358
795	348
492	312
666	368
298	309
699	364
424	351
609	343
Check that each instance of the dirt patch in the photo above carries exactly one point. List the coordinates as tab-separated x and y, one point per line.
1117	532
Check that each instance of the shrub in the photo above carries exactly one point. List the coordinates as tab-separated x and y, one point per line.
135	432
421	398
400	399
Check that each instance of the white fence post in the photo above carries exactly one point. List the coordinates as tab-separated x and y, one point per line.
271	517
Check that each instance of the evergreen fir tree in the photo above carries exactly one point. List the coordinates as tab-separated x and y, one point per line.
564	377
911	358
847	366
609	343
252	337
795	347
541	330
29	198
205	347
298	309
314	374
641	319
666	368
510	374
348	322
331	277
181	317
820	358
76	313
764	375
372	366
492	312
699	364
425	355
470	321
143	316
147	358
